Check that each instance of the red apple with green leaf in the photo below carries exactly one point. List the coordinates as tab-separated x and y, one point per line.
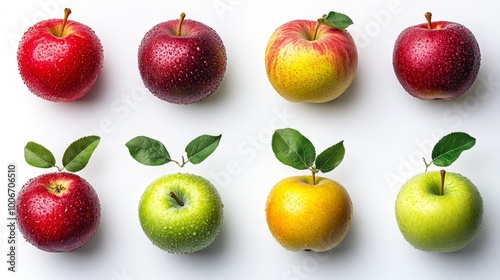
182	61
60	211
436	60
60	60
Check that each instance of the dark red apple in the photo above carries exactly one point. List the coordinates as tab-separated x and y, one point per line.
182	61
60	60
58	212
436	60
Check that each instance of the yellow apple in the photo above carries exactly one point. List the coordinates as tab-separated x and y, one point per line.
303	215
310	62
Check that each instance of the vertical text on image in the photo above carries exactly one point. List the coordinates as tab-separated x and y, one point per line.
11	217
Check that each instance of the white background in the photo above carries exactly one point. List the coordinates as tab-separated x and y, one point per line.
386	133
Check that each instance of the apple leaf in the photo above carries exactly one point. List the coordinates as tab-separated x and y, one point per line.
201	147
330	158
148	151
293	149
38	156
449	148
78	154
337	20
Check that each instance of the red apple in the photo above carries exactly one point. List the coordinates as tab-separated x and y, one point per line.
60	60
182	61
436	60
58	212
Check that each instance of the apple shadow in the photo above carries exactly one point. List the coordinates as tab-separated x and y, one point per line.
342	250
346	246
475	247
221	93
93	245
478	93
217	247
98	91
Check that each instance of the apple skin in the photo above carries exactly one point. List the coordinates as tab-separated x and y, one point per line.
435	223
438	63
181	229
303	70
60	69
182	69
302	216
58	223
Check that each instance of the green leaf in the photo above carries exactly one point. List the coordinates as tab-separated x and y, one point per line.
337	20
78	154
293	149
148	151
201	147
38	156
330	158
449	148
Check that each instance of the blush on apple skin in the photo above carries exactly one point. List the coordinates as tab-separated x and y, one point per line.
58	223
441	63
182	69
306	69
60	69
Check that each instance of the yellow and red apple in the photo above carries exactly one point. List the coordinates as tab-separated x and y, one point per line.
312	61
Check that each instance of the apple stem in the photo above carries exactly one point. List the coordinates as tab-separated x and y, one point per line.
67	12
183	15
428	16
172	195
315	31
443	174
313	171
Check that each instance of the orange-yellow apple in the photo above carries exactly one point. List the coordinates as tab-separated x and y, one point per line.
311	61
302	215
307	212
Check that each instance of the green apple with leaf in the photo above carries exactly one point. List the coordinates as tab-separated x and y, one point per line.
180	213
308	213
439	211
60	211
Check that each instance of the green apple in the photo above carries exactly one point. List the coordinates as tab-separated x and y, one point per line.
439	211
181	213
435	222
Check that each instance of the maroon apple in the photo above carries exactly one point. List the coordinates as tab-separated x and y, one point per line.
58	212
60	60
436	60
182	61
